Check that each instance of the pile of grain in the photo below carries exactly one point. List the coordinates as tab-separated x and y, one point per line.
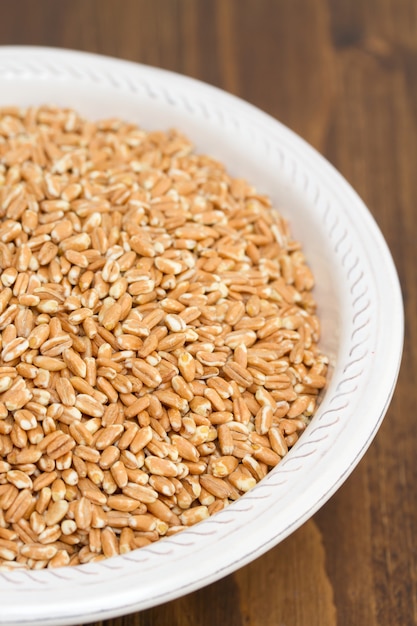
158	347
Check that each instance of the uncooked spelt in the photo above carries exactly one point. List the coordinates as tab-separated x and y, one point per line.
158	337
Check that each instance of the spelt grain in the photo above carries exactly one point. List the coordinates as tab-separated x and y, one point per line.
158	354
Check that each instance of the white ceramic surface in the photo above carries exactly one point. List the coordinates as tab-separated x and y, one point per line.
359	304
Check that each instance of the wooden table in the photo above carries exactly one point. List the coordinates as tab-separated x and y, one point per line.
343	74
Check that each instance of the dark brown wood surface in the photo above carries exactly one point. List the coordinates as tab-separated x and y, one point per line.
343	74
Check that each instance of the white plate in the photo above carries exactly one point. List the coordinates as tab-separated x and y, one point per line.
359	304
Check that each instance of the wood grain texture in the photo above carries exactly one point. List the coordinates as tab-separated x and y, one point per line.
343	75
